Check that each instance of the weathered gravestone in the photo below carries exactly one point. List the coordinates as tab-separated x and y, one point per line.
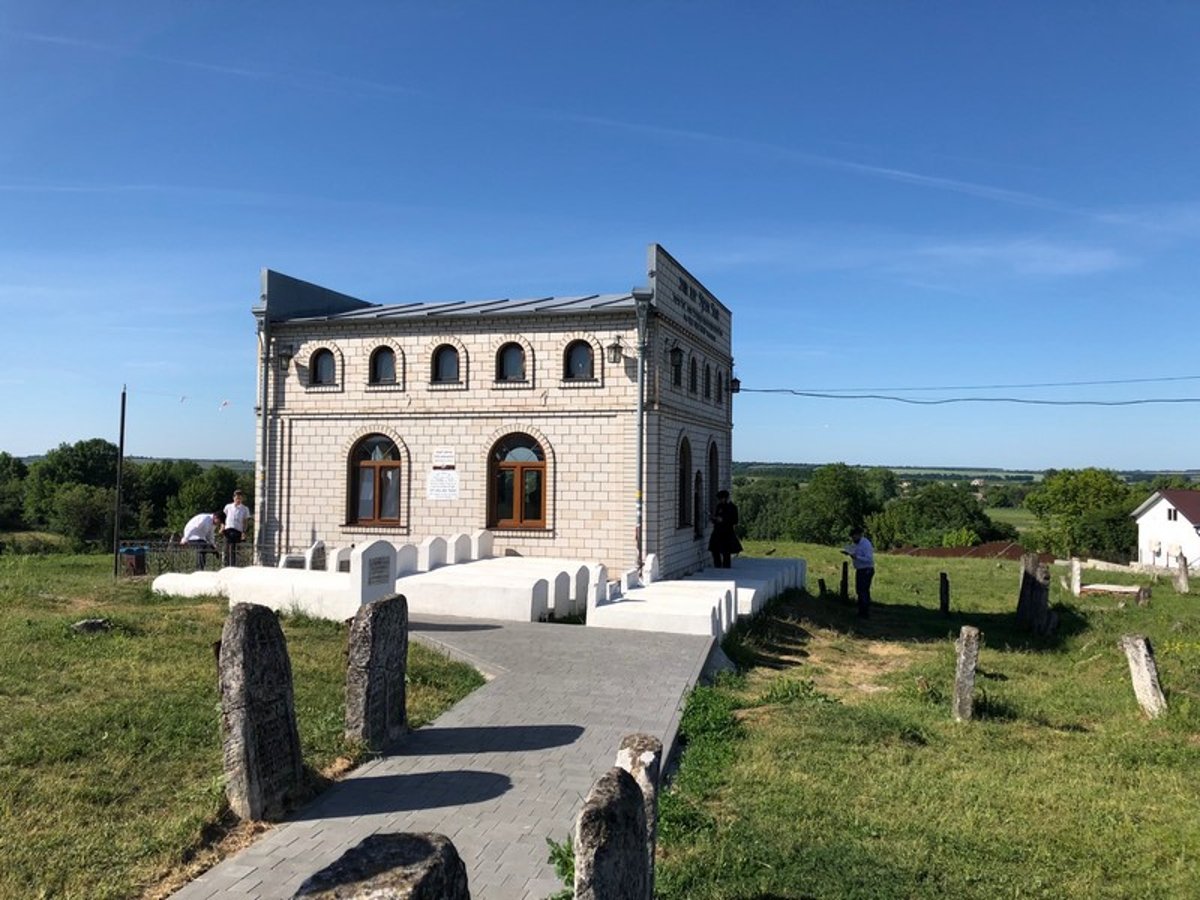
944	593
967	646
1033	604
375	670
392	867
263	765
821	587
844	587
1181	576
641	756
610	841
372	572
1144	673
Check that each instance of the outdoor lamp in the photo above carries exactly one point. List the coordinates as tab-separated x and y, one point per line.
616	352
735	385
284	354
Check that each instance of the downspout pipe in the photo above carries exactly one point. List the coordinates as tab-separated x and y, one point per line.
643	299
260	470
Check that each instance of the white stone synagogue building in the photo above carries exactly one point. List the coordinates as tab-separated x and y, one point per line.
403	421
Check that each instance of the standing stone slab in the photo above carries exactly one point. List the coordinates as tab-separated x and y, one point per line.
263	765
641	756
1076	577
406	559
431	553
610	841
844	587
1181	576
375	671
392	867
967	646
373	571
1144	672
1033	604
483	544
944	593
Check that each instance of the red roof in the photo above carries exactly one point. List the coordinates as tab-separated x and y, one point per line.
1187	502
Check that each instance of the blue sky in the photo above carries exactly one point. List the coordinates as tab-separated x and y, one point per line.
888	196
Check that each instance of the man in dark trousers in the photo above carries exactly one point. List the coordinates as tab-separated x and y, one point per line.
862	554
723	542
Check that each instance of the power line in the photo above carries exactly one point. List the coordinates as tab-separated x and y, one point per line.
997	387
947	400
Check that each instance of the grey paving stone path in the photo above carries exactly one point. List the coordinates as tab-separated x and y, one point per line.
499	773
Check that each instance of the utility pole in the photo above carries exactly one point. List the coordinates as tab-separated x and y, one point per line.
117	509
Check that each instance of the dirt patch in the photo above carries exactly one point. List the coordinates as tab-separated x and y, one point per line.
991	550
850	672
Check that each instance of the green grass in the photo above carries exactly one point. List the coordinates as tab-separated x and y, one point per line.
110	754
831	767
1017	516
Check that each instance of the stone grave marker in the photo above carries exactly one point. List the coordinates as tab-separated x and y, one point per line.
392	867
610	840
263	765
1033	603
641	756
373	571
377	663
1181	576
1144	673
967	646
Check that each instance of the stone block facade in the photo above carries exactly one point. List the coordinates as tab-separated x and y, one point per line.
316	419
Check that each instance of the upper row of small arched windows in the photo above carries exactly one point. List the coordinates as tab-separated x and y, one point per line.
444	367
578	365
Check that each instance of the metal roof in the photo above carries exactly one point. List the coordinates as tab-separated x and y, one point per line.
590	303
1187	502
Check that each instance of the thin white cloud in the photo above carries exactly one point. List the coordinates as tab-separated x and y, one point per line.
307	79
1033	256
918	179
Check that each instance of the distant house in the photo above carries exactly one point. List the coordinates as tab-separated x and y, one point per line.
1168	526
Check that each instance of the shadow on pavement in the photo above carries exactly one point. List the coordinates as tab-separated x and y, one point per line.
486	739
369	795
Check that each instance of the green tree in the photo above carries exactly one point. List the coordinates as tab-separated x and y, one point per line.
882	484
150	486
82	512
834	501
1065	498
92	462
12	491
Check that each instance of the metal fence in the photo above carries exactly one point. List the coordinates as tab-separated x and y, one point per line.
155	556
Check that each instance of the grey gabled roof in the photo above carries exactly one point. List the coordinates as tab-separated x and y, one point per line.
291	300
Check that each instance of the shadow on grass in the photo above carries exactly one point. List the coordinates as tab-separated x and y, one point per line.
778	637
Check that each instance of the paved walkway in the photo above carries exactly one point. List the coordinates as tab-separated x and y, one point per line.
499	773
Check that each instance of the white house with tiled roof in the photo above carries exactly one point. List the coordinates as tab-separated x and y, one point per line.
594	427
1169	527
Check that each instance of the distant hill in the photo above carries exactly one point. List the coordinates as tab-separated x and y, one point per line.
801	471
238	465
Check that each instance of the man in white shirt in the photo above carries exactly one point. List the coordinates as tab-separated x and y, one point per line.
237	514
200	532
862	554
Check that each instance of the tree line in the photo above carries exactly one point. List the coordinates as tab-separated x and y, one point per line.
71	491
1079	512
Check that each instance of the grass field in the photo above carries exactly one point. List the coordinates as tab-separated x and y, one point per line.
110	754
1019	517
831	767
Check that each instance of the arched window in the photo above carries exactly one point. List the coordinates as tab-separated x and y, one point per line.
517	476
676	357
510	363
707	382
692	378
714	472
445	365
322	368
577	362
684	481
720	388
383	366
698	505
375	465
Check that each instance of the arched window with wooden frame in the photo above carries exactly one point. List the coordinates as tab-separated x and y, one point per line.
376	466
445	369
383	366
517	483
684	481
322	367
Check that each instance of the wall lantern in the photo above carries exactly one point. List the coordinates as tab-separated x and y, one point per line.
284	353
676	356
735	385
616	352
